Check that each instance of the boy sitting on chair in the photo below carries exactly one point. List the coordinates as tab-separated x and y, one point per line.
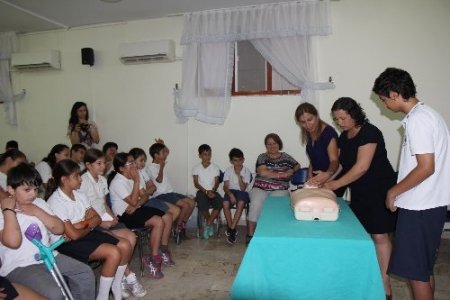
206	180
235	182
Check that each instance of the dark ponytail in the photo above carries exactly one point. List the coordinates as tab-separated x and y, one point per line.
63	168
119	161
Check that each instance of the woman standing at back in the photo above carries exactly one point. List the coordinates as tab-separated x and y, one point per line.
81	130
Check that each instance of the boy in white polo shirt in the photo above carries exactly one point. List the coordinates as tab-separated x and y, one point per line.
422	192
164	190
206	180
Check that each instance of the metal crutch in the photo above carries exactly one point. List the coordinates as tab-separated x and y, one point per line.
33	233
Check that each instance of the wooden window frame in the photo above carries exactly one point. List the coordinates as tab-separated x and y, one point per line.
268	91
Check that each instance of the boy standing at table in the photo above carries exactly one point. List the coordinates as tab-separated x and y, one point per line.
422	192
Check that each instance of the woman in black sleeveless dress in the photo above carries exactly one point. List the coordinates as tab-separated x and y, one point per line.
369	175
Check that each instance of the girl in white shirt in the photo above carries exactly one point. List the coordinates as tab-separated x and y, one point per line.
57	153
127	205
95	187
86	244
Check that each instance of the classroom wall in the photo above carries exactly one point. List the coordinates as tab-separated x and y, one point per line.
133	104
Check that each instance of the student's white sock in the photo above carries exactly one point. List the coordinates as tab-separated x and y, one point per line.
117	282
104	287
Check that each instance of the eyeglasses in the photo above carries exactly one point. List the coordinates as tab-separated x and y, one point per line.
130	163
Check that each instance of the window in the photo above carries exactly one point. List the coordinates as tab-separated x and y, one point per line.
253	75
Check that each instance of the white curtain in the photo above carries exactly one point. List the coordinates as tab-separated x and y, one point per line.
292	58
208	39
8	42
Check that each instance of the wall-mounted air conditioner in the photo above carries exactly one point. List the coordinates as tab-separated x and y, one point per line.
48	59
147	52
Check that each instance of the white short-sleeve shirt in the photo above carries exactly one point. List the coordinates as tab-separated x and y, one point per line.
163	187
95	191
233	180
425	132
44	170
67	209
206	176
3	179
144	178
24	255
119	189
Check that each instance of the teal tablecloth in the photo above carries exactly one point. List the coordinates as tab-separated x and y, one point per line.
290	259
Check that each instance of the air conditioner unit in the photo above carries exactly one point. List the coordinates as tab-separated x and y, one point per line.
147	52
48	59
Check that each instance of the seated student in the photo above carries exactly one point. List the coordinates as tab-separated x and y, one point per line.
95	187
148	188
127	205
12	144
16	291
206	180
57	153
164	190
80	219
235	181
17	253
8	160
77	152
110	150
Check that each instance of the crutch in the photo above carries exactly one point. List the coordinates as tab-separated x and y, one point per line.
33	233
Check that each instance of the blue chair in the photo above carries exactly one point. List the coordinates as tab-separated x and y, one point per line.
299	178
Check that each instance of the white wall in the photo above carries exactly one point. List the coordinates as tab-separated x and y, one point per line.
133	104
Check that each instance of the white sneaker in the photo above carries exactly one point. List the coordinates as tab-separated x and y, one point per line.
125	291
135	287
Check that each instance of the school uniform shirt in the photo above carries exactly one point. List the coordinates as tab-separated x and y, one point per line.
233	180
206	176
163	187
96	192
67	209
44	170
24	255
144	178
3	178
119	189
425	132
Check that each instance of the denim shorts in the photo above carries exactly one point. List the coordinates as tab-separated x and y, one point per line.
239	195
172	198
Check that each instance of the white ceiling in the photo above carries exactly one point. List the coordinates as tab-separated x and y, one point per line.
39	15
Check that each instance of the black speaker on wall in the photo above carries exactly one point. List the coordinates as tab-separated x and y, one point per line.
87	56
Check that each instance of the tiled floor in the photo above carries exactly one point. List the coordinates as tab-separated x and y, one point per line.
205	269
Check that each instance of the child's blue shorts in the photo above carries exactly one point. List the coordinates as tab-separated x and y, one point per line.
417	240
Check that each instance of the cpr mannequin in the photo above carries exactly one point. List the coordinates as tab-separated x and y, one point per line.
312	203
